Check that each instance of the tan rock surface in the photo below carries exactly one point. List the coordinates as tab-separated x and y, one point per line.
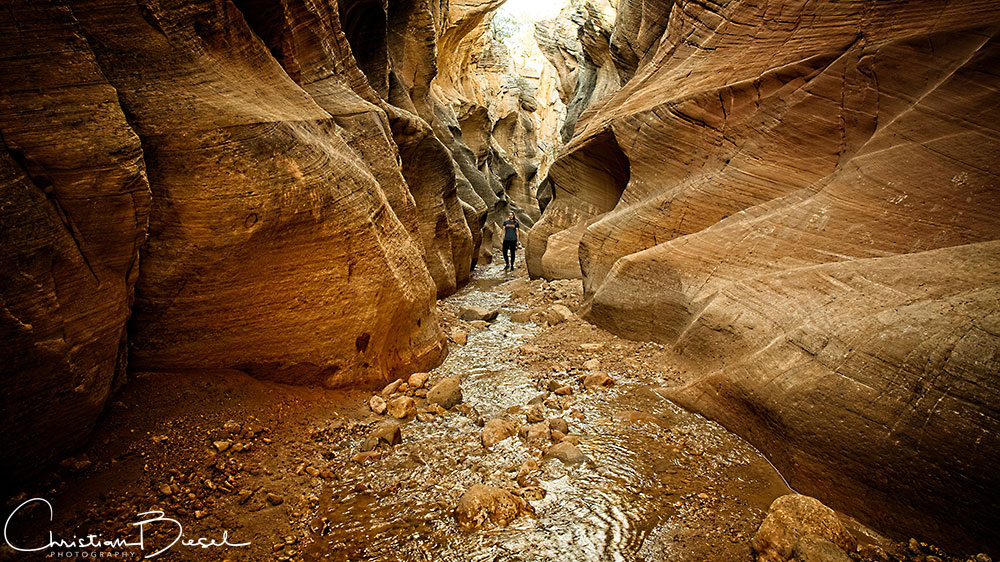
805	209
790	519
73	213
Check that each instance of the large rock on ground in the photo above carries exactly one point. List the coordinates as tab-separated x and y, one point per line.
496	430
384	435
489	506
792	517
567	452
471	313
809	219
447	393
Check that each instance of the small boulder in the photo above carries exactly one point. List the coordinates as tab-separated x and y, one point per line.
566	452
592	364
536	432
559	424
535	413
460	337
401	407
479	324
391	387
792	517
385	435
598	379
557	313
417	380
472	312
564	390
447	393
377	404
591	346
496	430
521	317
488	506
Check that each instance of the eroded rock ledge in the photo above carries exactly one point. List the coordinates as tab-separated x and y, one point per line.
801	200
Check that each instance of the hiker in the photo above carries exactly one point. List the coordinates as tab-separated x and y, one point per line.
510	227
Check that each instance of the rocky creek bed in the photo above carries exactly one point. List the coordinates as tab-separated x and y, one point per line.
604	467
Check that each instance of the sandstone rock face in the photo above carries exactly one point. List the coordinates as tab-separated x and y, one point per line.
297	201
579	44
73	212
498	116
802	202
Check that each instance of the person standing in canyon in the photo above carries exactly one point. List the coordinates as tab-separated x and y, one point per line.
510	240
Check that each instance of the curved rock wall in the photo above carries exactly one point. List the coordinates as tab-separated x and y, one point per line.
297	200
500	114
810	223
73	212
590	47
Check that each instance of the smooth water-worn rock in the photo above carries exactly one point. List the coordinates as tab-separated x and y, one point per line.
73	213
566	452
496	430
800	200
471	312
793	517
446	393
488	506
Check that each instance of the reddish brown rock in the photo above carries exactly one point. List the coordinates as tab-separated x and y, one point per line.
73	213
792	518
488	506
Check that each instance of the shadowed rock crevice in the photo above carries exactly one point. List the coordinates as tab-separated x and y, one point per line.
364	24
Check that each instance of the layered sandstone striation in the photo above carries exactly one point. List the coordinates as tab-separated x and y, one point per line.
499	111
252	185
801	201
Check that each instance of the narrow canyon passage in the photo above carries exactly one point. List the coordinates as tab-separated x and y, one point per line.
252	290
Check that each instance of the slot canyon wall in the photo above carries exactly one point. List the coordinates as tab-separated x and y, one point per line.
267	186
800	200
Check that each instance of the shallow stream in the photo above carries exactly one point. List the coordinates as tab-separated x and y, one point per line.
657	480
